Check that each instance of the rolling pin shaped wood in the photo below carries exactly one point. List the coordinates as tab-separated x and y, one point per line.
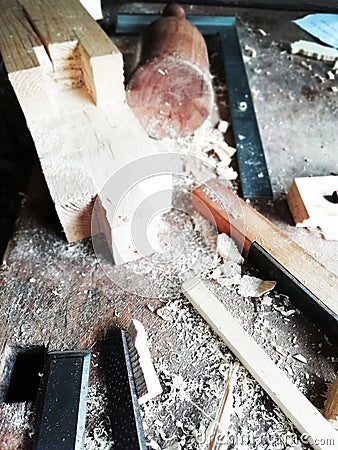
170	90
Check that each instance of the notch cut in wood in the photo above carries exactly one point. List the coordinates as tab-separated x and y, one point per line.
312	204
68	77
307	419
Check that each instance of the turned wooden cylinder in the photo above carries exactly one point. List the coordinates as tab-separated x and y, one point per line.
170	90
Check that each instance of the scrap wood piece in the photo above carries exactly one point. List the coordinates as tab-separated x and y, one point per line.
68	77
331	404
314	50
307	419
146	380
312	204
312	288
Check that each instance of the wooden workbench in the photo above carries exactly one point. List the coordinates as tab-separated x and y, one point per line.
58	295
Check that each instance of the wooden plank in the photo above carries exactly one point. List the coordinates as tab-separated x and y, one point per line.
282	391
68	77
246	226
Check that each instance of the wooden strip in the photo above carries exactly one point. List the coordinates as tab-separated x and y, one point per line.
245	225
282	391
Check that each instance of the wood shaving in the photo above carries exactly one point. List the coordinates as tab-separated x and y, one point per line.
300	358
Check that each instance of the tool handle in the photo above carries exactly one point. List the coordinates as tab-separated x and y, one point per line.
311	287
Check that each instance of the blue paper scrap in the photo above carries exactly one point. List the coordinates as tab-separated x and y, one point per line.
322	26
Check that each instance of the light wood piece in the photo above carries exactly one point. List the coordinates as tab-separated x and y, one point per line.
68	77
314	50
311	206
282	391
146	380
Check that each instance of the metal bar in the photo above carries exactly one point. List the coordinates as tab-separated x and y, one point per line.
135	23
300	296
62	412
280	5
125	414
254	175
255	181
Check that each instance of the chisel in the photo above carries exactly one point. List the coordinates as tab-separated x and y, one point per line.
311	287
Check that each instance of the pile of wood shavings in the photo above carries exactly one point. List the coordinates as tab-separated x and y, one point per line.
208	145
192	372
193	369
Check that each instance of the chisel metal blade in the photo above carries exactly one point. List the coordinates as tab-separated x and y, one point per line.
63	398
124	411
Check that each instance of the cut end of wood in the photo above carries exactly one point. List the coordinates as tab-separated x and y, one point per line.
76	219
170	90
170	97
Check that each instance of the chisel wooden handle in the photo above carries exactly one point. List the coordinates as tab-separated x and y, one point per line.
170	91
311	287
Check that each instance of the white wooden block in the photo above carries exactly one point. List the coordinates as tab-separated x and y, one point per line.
310	205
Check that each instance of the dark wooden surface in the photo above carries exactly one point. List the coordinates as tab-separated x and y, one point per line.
58	295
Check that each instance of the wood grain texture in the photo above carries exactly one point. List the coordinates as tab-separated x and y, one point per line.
283	392
331	404
68	77
170	90
243	223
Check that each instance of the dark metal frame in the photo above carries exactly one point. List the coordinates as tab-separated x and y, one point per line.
62	403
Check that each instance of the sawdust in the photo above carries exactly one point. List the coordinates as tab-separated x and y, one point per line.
190	400
194	365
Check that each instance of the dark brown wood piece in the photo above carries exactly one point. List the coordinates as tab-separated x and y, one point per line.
170	91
